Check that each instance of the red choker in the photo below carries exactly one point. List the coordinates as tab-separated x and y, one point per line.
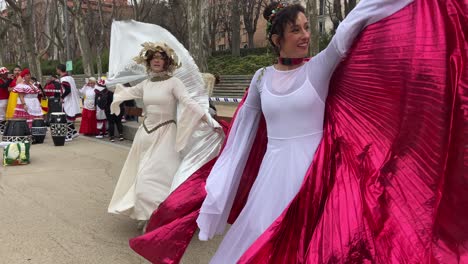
290	61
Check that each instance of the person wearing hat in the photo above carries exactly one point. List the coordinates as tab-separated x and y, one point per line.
101	102
149	172
52	91
28	106
4	94
88	115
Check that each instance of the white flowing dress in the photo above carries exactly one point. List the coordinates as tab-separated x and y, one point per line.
293	105
154	158
89	97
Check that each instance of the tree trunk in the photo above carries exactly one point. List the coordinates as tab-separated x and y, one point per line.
251	36
235	26
27	29
83	43
100	41
198	33
213	42
313	21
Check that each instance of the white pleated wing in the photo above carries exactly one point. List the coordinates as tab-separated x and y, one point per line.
126	39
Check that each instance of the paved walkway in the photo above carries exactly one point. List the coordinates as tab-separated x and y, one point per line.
54	210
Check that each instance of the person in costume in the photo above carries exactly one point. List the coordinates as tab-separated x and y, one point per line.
88	116
286	94
71	100
53	91
155	156
101	98
388	181
4	94
114	121
28	106
13	97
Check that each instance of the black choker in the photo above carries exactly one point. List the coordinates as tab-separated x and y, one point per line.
290	61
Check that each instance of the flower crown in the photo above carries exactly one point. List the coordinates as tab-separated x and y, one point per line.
271	18
158	47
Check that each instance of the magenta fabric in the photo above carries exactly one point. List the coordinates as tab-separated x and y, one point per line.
389	182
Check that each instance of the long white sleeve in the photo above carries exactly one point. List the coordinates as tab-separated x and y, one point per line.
366	12
189	116
122	94
223	182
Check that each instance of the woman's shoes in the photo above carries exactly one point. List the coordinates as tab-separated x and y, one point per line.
112	139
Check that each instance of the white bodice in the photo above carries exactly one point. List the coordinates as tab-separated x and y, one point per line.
295	114
89	97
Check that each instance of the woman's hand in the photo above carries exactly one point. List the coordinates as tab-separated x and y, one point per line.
25	106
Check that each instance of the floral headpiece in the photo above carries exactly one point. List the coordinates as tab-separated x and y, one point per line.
101	83
158	47
271	18
4	70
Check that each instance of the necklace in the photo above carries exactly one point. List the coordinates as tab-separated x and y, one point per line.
159	76
290	61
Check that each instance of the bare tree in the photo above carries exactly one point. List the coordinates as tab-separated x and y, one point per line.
198	33
313	21
142	9
100	42
45	23
235	28
3	34
25	18
336	11
214	16
83	40
250	13
178	20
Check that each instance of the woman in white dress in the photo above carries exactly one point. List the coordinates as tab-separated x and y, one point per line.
171	116
88	116
287	94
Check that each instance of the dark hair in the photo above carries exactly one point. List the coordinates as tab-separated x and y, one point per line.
281	19
17	66
62	67
150	55
54	76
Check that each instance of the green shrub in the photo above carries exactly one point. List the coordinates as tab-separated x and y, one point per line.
243	52
230	65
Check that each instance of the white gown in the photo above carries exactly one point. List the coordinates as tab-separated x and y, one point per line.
154	158
89	97
293	105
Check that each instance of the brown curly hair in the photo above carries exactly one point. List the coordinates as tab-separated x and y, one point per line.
150	56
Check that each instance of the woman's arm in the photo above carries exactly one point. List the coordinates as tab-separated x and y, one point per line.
23	102
322	66
122	94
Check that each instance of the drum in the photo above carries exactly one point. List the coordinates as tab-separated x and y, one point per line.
58	128
38	130
54	106
16	130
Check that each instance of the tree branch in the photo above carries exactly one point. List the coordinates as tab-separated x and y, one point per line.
11	22
13	5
